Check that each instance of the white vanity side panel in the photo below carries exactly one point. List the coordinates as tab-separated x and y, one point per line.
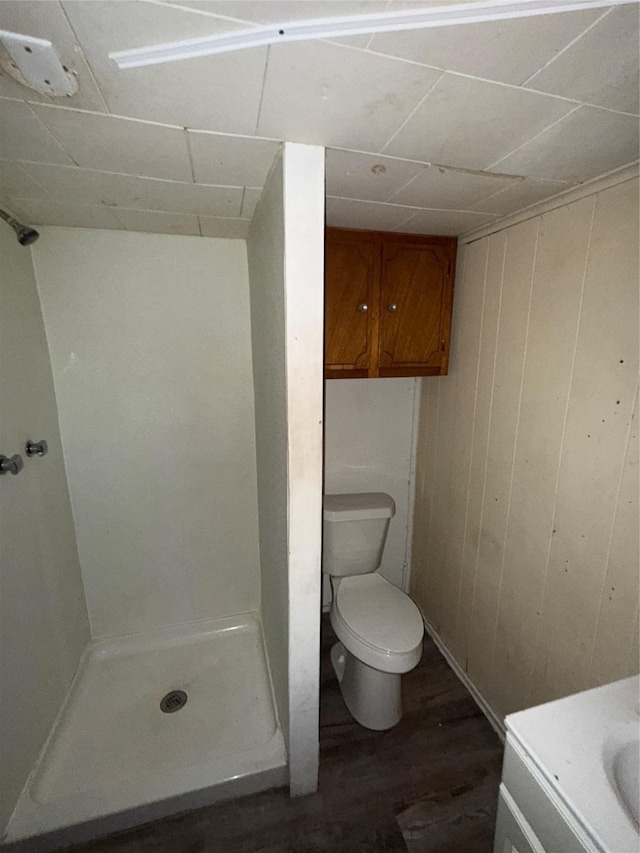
545	813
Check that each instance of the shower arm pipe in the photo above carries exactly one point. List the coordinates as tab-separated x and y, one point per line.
24	233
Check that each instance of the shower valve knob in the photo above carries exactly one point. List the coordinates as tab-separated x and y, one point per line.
36	448
11	465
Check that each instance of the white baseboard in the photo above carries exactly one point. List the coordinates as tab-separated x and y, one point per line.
496	721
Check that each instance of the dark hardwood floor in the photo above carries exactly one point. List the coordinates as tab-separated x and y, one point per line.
429	785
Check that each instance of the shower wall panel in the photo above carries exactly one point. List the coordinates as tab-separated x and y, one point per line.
43	618
151	353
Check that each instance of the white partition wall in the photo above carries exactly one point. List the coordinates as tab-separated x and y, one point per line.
43	617
286	271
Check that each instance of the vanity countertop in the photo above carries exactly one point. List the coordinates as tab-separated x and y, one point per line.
573	742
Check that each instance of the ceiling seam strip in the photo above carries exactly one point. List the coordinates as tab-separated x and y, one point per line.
414	208
85	58
404	222
116	207
16	163
536	136
262	90
52	136
190	154
516	183
203	13
464	75
407	183
383	156
567	46
136	119
132	175
478	173
412	113
517	86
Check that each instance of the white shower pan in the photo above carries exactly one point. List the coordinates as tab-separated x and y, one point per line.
115	758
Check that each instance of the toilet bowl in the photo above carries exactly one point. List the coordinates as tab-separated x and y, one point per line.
379	627
380	631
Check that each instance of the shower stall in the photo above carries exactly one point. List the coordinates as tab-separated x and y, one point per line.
160	561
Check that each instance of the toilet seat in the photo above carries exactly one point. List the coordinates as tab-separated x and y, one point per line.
377	622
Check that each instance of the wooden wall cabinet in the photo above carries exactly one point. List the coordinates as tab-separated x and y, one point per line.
387	303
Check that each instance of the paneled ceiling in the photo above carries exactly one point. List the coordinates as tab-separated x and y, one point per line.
428	131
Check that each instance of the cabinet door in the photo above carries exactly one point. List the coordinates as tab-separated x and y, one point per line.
352	265
415	310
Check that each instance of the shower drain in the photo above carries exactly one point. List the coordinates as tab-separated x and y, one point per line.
173	701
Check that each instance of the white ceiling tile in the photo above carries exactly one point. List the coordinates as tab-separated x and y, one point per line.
211	226
260	12
135	193
121	26
360	41
585	144
45	19
446	189
14	181
53	212
219	93
22	136
231	160
119	145
469	123
372	177
448	223
250	201
351	213
281	11
154	222
332	95
318	92
601	67
520	195
509	51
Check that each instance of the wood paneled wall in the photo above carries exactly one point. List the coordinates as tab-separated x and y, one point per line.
525	556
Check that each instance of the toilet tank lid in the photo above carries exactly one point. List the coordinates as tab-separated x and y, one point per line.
363	505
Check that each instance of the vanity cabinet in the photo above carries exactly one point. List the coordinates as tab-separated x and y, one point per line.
387	303
531	816
566	784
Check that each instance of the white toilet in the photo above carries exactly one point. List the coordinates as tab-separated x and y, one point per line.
379	627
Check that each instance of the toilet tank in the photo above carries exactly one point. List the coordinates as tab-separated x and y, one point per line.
354	531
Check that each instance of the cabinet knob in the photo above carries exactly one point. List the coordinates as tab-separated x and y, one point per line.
393	307
364	307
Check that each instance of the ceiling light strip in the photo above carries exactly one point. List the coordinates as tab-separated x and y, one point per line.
326	28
